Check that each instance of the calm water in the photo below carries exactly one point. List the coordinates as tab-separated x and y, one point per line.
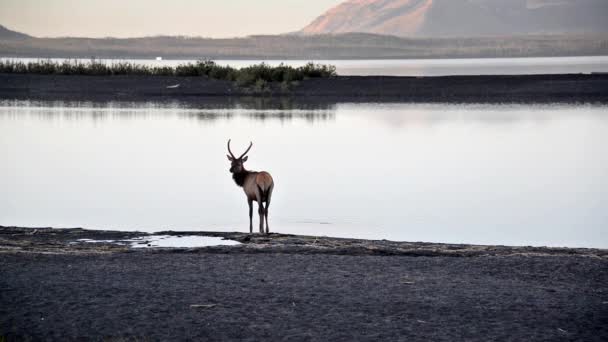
488	174
424	67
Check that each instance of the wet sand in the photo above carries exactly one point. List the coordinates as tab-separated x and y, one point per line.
477	89
286	287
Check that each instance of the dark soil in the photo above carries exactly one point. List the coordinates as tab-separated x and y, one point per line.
478	89
296	288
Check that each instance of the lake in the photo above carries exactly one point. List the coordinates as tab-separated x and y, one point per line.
417	67
483	174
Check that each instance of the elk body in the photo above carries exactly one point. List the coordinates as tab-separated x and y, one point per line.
257	186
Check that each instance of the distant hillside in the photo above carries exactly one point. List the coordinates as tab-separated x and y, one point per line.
6	34
328	46
463	18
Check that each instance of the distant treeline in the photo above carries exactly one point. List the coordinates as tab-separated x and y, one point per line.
255	76
342	46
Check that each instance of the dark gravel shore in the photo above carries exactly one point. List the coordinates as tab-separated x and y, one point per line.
478	89
296	288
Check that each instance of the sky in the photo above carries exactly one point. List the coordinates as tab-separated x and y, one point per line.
136	18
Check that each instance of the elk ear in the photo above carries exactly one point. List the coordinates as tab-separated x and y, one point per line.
229	157
245	158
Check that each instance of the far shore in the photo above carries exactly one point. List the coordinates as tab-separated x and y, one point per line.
560	88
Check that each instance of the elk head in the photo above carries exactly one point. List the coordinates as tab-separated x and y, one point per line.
237	163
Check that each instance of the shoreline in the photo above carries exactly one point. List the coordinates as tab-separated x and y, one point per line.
553	88
68	241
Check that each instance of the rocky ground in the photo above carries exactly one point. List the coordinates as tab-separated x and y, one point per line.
55	286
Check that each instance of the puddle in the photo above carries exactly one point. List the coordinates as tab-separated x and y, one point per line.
180	241
168	241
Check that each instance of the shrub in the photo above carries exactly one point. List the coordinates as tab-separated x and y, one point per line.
245	79
163	71
312	70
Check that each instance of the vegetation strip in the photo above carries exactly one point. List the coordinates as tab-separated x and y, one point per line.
257	75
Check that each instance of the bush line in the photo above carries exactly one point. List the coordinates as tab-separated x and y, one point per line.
258	75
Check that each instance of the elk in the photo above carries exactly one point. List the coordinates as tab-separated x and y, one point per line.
257	186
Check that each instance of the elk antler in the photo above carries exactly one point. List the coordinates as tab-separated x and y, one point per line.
233	157
248	148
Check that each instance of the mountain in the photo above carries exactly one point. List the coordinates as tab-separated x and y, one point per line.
464	18
6	34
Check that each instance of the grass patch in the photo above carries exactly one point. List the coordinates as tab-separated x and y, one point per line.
258	76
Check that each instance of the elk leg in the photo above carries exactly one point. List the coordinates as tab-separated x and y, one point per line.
250	202
266	216
268	196
258	196
261	212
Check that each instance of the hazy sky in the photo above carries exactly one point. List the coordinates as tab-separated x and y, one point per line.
129	18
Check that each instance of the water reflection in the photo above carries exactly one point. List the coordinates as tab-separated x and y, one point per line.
391	114
256	109
206	103
262	115
400	115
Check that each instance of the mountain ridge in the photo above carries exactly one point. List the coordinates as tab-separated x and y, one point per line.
8	34
464	18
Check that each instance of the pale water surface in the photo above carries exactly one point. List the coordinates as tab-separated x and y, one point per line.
485	174
418	67
168	241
